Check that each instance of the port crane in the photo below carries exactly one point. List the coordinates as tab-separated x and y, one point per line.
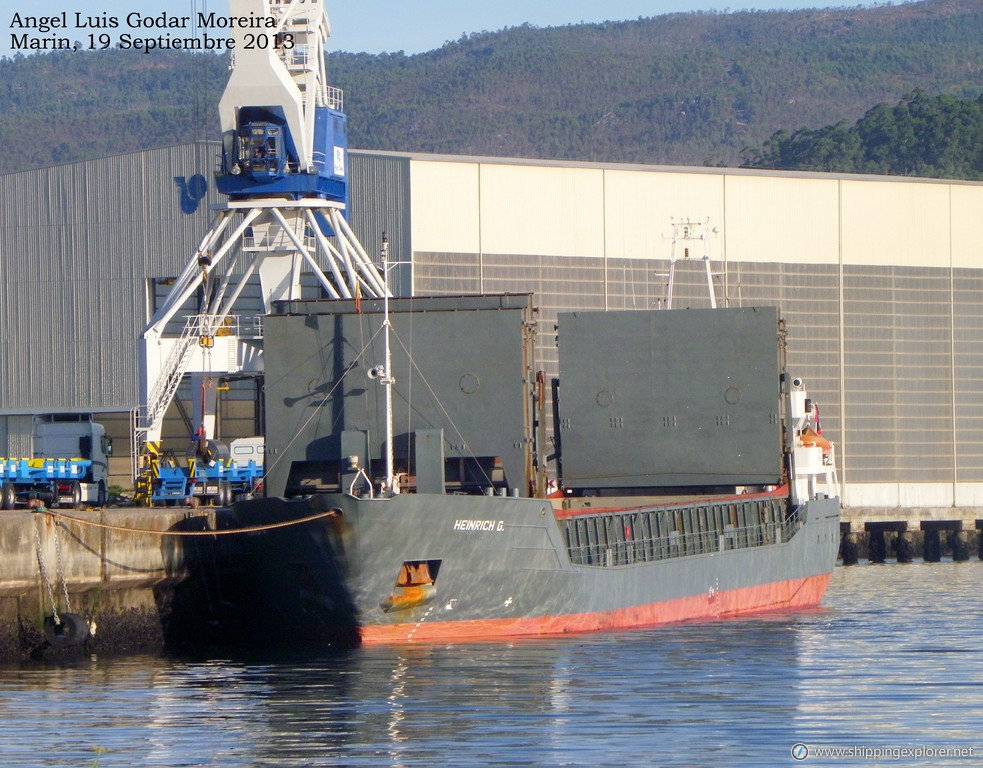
284	169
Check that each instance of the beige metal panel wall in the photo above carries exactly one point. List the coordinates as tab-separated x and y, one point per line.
641	283
898	374
446	274
966	222
560	284
898	260
807	296
967	384
546	211
639	207
888	223
771	219
445	201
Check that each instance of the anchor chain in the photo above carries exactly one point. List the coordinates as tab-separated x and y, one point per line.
63	629
42	566
60	569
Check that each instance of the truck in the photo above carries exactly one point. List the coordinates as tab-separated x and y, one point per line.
69	465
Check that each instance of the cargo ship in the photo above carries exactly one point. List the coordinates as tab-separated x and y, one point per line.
425	484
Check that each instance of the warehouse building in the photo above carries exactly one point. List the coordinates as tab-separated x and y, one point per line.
880	282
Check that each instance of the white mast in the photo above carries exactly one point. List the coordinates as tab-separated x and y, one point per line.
689	231
387	377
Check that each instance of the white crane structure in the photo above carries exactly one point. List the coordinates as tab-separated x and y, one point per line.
284	167
687	231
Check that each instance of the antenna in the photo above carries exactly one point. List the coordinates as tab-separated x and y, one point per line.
684	231
386	379
383	373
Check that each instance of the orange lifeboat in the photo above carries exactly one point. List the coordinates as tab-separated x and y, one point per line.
810	437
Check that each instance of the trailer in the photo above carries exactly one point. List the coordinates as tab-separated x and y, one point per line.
218	484
53	481
69	465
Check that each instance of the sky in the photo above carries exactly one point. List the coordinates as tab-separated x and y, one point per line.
411	26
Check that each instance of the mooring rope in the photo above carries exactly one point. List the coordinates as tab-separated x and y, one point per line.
221	532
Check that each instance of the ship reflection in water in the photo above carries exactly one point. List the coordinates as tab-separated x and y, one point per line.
889	645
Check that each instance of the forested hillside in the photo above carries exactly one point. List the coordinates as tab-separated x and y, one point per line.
922	135
703	88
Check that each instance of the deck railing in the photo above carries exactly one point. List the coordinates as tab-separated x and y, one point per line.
626	538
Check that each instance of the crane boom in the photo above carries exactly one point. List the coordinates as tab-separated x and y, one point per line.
283	128
284	168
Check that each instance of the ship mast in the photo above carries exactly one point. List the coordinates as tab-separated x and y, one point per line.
387	378
683	232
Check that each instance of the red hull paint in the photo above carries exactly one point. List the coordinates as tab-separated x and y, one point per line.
777	596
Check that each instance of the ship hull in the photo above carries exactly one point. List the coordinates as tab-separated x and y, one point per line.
793	594
494	568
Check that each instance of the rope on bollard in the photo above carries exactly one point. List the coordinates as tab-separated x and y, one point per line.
223	532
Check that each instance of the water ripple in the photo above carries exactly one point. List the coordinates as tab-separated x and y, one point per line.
891	660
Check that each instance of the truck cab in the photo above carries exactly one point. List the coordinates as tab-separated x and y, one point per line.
76	436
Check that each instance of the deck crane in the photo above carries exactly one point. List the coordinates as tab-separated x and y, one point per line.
284	168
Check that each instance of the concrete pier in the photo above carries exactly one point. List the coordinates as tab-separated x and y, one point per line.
115	565
904	534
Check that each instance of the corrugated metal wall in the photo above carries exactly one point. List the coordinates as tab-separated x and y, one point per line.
380	203
83	246
79	243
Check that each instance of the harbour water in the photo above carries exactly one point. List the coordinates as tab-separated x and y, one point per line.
893	661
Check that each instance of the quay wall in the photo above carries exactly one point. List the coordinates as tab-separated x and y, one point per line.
913	517
878	534
117	566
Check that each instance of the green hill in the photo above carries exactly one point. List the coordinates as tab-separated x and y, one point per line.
699	88
935	136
